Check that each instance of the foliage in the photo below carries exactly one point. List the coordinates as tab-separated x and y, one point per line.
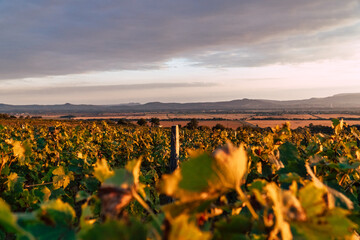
155	122
141	122
193	124
218	126
103	181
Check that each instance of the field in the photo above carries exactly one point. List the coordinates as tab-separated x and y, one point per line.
100	180
261	119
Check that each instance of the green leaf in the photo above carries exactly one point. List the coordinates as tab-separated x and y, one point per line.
197	174
82	195
7	219
289	177
86	221
234	228
15	183
42	194
288	152
333	225
120	178
56	212
258	184
289	156
314	205
335	122
91	184
42	231
56	193
114	230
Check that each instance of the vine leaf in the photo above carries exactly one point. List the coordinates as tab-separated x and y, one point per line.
102	171
182	228
57	212
281	225
7	219
231	165
60	178
204	178
118	188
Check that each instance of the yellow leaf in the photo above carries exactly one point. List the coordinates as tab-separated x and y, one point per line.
61	179
134	167
281	224
59	171
80	155
102	171
47	193
182	228
19	150
231	165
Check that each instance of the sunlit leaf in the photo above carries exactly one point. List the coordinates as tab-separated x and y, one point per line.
15	183
102	171
182	228
61	179
281	225
231	165
57	212
134	167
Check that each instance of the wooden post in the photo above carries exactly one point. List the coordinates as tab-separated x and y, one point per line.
175	148
174	159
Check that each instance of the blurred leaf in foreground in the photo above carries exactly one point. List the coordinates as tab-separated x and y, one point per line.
114	230
231	165
119	189
182	228
102	171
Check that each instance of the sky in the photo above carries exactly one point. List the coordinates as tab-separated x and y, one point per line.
112	51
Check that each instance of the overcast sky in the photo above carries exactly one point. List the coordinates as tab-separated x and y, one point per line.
111	51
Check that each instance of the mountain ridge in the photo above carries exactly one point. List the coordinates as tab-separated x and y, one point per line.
338	101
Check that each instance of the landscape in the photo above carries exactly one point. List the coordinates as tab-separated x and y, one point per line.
231	114
180	120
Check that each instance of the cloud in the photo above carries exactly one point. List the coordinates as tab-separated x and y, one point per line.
106	94
335	44
105	88
40	38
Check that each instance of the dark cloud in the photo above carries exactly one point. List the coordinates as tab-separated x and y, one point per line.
56	37
335	44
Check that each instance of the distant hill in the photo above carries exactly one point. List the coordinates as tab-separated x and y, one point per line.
349	101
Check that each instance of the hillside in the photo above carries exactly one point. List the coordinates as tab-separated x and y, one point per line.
336	102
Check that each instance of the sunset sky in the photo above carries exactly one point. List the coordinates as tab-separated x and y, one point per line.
111	52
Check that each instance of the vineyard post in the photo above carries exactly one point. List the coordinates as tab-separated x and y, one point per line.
175	148
174	158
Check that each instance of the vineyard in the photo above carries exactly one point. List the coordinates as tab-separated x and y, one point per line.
105	181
